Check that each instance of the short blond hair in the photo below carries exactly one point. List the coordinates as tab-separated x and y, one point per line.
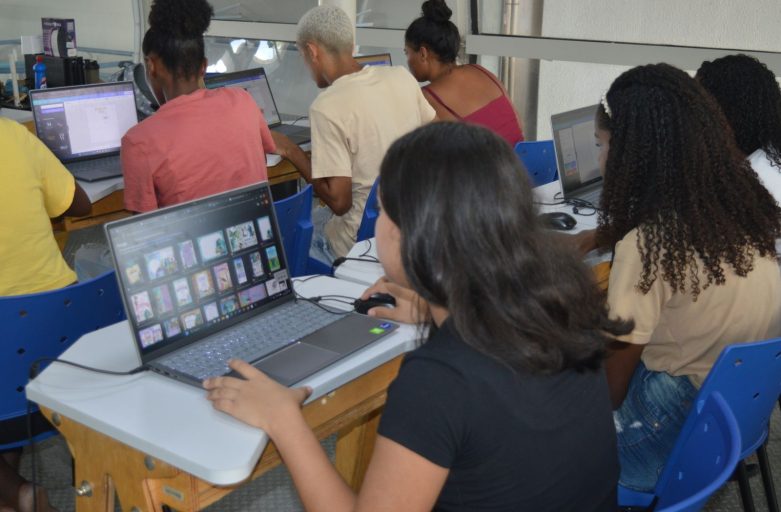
329	26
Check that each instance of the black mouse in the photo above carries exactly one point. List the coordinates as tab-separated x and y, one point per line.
378	299
558	220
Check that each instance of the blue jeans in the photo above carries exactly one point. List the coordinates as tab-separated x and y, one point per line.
648	424
321	248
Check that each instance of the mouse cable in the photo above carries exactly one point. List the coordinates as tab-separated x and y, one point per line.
316	302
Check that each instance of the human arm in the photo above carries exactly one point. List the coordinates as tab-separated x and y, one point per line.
397	478
331	169
629	303
139	190
288	149
410	307
81	204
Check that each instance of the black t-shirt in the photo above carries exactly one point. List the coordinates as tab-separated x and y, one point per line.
512	441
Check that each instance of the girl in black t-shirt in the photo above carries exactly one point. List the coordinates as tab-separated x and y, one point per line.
506	406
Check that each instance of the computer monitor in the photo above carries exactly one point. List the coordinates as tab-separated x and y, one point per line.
575	147
84	121
380	59
255	82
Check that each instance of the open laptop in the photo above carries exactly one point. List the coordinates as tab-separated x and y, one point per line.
380	59
206	281
577	156
255	82
84	125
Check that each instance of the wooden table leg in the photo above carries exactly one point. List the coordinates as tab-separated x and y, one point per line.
354	448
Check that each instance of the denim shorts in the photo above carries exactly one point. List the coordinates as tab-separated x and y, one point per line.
321	248
648	424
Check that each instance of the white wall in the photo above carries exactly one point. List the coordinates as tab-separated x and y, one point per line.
99	23
706	23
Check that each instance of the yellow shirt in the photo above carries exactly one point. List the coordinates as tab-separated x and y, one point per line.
35	187
354	122
683	337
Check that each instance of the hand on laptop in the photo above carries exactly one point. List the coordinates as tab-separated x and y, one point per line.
257	399
410	307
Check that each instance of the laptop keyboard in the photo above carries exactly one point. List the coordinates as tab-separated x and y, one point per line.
107	165
250	340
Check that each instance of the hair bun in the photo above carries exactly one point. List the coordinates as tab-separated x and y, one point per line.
437	11
183	19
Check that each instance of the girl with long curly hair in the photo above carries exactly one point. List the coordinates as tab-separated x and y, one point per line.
748	94
694	264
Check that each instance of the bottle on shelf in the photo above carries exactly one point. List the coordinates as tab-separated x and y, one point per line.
39	68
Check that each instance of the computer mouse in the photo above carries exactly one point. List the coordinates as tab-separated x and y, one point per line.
558	220
378	299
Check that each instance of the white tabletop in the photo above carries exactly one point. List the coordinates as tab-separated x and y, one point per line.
173	421
368	272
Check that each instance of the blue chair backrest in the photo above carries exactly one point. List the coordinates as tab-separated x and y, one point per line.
748	376
294	215
703	458
539	159
370	213
44	325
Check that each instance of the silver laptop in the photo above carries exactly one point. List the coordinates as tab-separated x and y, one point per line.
84	125
255	82
207	281
577	154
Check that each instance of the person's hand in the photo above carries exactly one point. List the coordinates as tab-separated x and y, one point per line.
410	307
258	401
585	241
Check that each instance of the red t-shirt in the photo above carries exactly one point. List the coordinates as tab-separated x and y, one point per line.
196	145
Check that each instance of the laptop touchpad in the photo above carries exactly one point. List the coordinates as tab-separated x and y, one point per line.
295	362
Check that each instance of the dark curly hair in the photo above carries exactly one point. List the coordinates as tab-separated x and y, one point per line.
435	31
674	173
175	34
513	291
750	98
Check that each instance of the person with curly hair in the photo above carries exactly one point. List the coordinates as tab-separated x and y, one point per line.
694	261
750	98
200	142
506	405
468	92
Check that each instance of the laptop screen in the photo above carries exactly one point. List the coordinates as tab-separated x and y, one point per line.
84	121
382	59
576	150
255	82
190	270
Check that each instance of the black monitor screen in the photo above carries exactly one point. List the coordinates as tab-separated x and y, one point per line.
187	271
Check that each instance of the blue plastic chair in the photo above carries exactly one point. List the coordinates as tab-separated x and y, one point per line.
370	213
294	215
44	325
539	159
748	377
703	459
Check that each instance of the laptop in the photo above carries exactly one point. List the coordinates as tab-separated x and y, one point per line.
380	59
84	125
206	281
255	82
577	155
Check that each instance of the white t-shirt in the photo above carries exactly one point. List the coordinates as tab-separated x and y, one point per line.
354	122
769	173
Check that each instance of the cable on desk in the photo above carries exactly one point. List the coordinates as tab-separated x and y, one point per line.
299	118
577	205
37	363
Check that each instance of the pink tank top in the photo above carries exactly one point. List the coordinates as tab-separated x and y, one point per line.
498	115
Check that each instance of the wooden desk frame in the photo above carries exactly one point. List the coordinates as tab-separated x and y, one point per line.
142	483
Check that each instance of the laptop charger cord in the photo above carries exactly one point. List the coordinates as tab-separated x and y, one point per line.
578	205
34	368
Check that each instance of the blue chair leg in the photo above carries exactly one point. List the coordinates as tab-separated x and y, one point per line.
745	488
767	478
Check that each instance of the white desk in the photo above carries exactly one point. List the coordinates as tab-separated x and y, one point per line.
97	190
172	421
368	272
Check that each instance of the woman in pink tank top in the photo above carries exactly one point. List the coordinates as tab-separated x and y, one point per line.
468	92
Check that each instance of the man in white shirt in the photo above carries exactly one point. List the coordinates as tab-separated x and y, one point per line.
354	121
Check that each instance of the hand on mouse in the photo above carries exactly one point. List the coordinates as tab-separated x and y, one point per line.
256	399
410	307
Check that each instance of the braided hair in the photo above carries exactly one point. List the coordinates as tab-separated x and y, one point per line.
750	98
674	173
435	31
175	34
